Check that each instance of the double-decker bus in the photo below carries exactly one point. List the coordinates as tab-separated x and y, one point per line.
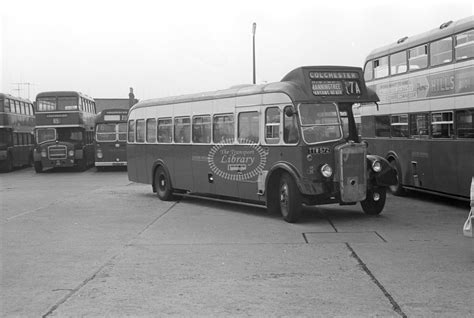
64	130
17	123
424	123
111	138
280	144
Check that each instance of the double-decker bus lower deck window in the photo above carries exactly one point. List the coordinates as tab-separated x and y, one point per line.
223	128
441	51
464	45
106	132
320	122
442	125
131	131
202	129
272	125
290	130
382	126
151	130
400	125
465	123
182	130
248	127
122	131
165	130
419	126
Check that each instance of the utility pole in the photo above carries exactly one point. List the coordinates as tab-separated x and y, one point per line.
19	89
254	28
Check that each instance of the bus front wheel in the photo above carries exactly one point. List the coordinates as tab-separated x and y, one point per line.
163	185
375	201
289	198
38	166
397	189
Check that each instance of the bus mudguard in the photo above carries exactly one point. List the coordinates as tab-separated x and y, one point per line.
387	175
156	164
284	166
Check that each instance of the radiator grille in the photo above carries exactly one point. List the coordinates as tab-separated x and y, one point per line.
57	152
352	175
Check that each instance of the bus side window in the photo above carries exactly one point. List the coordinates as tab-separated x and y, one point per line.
223	128
464	48
419	126
131	131
151	130
202	129
399	125
248	127
290	131
465	123
441	51
140	132
165	130
182	131
382	126
272	125
442	125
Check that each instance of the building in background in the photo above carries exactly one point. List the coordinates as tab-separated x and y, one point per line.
125	103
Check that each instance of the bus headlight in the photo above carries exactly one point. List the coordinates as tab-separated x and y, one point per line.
376	166
43	153
326	170
99	154
71	153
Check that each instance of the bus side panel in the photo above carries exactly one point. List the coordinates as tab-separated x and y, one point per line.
444	165
201	170
132	159
182	177
465	166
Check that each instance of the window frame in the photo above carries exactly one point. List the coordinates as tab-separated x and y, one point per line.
273	140
258	127
210	128
175	122
233	128
147	134
171	124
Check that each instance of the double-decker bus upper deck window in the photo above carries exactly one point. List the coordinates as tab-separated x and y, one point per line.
122	131
320	122
418	57
182	130
398	63
7	105
131	131
151	130
272	125
382	126
165	130
419	126
248	131
465	123
202	129
223	128
441	51
464	48
290	130
442	125
105	132
140	130
45	104
381	67
369	71
399	125
67	103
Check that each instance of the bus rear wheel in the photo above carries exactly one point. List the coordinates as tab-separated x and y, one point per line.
38	166
163	185
375	201
289	198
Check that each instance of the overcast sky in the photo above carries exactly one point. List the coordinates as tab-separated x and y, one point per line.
163	48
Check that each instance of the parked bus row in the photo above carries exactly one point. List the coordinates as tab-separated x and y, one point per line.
61	129
424	123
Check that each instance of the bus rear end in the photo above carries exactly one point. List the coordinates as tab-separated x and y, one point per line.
110	143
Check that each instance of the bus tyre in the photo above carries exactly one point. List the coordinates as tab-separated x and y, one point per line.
82	164
289	198
163	185
38	166
9	163
375	201
397	189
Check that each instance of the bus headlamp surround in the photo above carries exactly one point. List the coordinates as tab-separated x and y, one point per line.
71	153
99	154
326	170
43	153
376	166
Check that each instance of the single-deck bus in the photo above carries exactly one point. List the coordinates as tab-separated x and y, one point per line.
280	144
111	138
64	130
424	123
17	123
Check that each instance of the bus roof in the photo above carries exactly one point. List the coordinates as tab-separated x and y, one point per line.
63	94
444	30
3	95
296	84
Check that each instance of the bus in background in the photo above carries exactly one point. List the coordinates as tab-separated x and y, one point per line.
111	138
17	124
424	123
279	144
64	130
